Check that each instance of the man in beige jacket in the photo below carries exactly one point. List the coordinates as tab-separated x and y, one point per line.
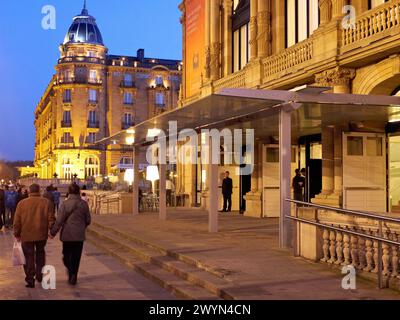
33	220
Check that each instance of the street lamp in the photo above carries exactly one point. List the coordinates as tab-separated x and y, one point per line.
152	175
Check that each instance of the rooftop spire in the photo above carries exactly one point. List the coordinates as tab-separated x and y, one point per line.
85	11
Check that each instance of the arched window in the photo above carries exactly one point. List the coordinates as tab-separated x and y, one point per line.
240	29
302	19
92	167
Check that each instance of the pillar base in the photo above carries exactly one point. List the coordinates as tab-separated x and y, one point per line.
332	200
253	204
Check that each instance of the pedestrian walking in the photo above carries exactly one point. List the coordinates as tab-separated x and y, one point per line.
227	190
11	197
48	194
56	198
33	220
73	219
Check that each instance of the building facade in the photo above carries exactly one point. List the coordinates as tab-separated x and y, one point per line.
341	45
94	95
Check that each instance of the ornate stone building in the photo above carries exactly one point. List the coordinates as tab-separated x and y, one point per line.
94	95
345	46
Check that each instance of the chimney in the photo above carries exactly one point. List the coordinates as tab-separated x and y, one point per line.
140	55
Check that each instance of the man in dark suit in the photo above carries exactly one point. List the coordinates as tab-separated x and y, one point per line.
227	190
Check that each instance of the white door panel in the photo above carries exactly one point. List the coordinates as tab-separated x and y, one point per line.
364	171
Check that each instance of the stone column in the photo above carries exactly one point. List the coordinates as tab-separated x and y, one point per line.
227	37
182	91
264	28
215	45
135	186
213	187
341	79
325	9
337	8
327	161
207	40
253	29
163	192
338	160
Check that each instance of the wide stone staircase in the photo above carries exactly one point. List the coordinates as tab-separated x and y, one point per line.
183	276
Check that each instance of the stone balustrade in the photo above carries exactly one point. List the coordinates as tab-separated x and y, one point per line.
288	59
234	80
343	248
374	22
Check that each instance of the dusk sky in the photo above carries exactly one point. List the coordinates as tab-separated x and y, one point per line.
28	53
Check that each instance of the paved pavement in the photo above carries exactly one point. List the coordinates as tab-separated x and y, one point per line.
101	278
246	251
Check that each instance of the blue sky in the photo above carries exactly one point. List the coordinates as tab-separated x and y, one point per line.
28	53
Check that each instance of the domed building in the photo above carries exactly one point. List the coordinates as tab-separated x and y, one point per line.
93	95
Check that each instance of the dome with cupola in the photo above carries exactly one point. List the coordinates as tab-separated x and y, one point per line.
84	29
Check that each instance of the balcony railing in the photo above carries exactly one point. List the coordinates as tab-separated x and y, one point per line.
81	59
378	21
93	124
289	58
66	124
235	80
79	81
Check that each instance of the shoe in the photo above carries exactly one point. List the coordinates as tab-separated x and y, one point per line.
73	279
39	279
221	211
30	286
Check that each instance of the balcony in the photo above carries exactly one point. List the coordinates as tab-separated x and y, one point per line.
127	125
93	124
92	60
66	124
77	81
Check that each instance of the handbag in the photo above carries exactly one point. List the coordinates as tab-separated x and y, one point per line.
18	257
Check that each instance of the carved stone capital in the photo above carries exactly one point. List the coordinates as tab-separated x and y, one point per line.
325	8
335	77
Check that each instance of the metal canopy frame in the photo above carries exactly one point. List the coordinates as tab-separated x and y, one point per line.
285	114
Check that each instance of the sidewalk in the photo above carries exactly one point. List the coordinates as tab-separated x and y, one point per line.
101	278
245	253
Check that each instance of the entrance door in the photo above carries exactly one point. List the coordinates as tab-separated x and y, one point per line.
311	160
271	185
364	172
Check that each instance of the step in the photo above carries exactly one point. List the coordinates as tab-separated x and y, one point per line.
163	278
176	255
188	272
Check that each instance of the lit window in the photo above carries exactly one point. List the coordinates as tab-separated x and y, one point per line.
92	117
67	96
159	81
92	54
92	95
302	19
93	76
240	29
128	98
91	137
160	101
66	138
128	119
128	80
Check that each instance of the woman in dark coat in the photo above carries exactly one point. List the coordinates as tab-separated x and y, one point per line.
73	219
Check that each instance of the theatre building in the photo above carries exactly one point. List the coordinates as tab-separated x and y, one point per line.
94	95
333	65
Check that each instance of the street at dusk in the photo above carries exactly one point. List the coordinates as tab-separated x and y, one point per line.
203	157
